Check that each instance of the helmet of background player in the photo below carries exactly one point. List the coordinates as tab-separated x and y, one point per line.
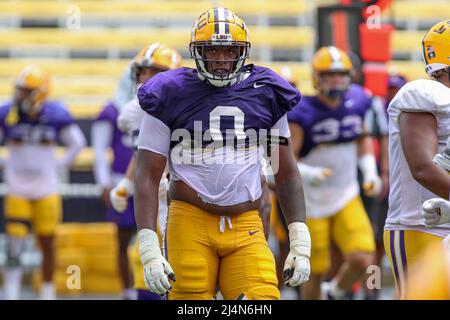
220	46
436	48
332	70
153	59
31	88
395	82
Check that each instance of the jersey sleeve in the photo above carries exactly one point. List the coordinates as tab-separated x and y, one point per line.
130	117
154	136
105	115
152	97
61	117
299	116
286	96
421	96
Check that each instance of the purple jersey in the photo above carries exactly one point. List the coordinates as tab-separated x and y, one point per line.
43	129
121	148
322	124
178	98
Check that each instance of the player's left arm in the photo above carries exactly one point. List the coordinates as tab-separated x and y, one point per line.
266	206
292	201
74	140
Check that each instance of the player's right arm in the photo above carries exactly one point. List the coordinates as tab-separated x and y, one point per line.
151	158
418	134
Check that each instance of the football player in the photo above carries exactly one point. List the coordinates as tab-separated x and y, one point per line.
104	135
148	62
330	141
31	126
418	129
214	232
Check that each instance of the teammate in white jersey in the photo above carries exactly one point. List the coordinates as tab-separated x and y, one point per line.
419	125
31	126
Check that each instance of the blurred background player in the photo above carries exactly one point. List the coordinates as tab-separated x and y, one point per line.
376	124
105	135
31	127
329	138
418	129
148	62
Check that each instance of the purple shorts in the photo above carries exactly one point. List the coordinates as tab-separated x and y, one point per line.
124	220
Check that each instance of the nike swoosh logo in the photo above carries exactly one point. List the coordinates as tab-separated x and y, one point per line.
255	85
252	232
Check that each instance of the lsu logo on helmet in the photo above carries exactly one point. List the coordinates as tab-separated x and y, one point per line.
436	47
219	27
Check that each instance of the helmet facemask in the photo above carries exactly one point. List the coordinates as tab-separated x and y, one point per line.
28	100
334	90
233	66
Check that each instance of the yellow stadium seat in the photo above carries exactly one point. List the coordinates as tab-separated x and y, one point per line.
283	37
420	10
93	248
155	8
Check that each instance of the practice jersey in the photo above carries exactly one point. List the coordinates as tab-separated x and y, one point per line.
129	122
185	111
130	118
120	143
31	167
406	195
329	141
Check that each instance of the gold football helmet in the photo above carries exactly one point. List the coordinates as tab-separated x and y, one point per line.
157	56
219	27
436	47
32	87
331	60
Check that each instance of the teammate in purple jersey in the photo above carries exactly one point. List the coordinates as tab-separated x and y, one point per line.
31	126
104	135
328	137
214	231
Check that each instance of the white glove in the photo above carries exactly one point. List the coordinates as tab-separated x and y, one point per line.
442	159
313	175
157	270
120	193
296	267
372	183
446	242
436	211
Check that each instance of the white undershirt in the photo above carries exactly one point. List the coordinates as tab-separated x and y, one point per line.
232	179
101	137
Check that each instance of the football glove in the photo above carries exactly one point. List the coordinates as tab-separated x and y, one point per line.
436	211
157	270
372	183
296	267
313	175
120	193
442	159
